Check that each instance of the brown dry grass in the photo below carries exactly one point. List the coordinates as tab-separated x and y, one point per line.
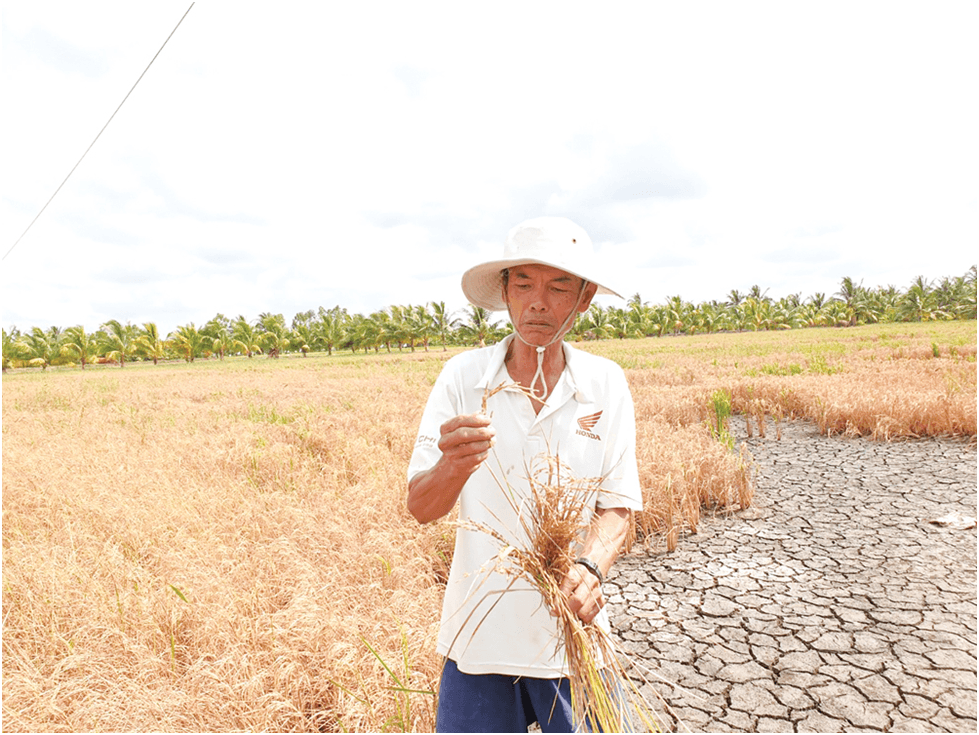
191	549
215	546
602	694
888	382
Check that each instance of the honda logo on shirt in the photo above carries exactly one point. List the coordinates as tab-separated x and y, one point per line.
587	424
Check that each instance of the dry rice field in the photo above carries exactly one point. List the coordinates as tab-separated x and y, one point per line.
225	546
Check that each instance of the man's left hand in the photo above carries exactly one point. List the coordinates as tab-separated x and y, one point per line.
583	592
606	535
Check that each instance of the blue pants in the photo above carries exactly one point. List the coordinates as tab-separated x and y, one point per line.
500	703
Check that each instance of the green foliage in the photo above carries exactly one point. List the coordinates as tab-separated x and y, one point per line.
720	427
777	369
818	364
148	343
117	341
479	328
9	353
75	343
412	326
267	415
400	720
188	342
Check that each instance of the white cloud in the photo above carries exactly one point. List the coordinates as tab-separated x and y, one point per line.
279	158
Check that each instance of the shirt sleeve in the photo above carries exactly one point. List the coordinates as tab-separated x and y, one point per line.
621	487
443	404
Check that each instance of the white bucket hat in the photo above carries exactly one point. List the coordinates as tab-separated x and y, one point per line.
553	241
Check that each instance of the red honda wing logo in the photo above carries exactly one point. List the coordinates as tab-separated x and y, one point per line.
587	423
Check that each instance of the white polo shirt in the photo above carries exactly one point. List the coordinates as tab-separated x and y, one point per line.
589	423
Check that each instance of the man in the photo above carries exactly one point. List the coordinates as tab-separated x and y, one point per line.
504	662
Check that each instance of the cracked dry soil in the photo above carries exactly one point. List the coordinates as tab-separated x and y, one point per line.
833	604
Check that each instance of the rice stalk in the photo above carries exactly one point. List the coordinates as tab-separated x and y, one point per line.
603	696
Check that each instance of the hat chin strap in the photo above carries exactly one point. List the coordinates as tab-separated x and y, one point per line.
539	375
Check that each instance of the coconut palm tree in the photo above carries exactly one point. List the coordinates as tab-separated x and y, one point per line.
359	334
952	296
708	318
384	329
9	352
677	313
919	303
850	294
659	321
836	314
477	327
423	323
412	327
217	336
303	337
755	313
331	327
187	341
810	315
596	323
39	348
397	326
148	343
75	343
244	339
305	331
272	333
622	326
371	332
967	307
641	317
304	319
785	314
756	293
442	322
116	340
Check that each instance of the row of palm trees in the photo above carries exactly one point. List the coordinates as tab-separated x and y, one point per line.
410	327
403	327
853	304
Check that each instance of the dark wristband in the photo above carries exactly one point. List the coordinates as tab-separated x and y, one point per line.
591	567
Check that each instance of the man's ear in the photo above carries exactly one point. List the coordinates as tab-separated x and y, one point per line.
590	290
504	280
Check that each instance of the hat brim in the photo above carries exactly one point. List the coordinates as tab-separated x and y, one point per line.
483	284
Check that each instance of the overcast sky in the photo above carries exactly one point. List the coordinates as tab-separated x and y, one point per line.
278	157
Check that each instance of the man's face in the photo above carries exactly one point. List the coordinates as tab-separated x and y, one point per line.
541	298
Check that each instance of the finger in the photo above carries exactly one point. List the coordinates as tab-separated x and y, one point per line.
571	580
583	592
462	446
467	458
471	460
591	605
466	436
470	420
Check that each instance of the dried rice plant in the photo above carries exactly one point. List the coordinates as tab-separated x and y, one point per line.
214	546
216	549
684	472
602	694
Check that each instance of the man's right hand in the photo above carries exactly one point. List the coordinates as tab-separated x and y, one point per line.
465	444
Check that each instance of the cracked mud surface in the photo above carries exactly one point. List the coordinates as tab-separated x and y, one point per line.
833	604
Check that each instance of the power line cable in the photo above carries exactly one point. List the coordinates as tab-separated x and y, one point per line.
97	136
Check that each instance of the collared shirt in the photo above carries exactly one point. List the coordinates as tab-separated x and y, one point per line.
491	622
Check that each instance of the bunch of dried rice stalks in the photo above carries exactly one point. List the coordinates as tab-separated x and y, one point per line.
603	696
